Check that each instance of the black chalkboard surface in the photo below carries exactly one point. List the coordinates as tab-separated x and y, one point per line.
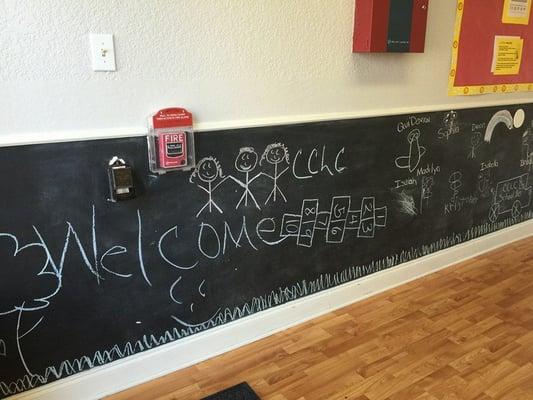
269	215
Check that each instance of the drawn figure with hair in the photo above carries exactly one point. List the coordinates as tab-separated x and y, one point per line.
246	162
207	171
275	154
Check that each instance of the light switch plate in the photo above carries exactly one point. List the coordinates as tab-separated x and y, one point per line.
102	52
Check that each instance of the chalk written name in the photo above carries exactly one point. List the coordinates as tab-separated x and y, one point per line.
399	183
448	132
430	169
489	165
413	121
478	127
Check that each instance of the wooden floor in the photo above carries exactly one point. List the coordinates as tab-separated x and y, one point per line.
464	333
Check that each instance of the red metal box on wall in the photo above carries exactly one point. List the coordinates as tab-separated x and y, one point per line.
390	26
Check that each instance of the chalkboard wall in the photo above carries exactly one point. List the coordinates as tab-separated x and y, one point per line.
270	215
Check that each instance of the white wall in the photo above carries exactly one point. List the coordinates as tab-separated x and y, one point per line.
226	60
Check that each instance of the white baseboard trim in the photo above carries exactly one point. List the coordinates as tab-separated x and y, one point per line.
151	364
27	138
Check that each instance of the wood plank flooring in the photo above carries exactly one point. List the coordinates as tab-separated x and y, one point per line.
465	333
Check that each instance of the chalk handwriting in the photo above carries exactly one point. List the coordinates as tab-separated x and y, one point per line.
310	165
451	126
413	121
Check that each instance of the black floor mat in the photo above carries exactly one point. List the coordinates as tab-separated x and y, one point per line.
242	391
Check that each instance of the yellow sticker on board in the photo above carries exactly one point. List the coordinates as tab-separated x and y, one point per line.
516	12
507	56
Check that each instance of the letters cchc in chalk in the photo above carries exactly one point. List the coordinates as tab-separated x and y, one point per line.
171	141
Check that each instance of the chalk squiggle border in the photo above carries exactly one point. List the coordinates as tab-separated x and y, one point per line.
256	304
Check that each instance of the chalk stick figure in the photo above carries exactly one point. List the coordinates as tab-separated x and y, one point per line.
416	152
246	162
427	191
475	142
275	154
484	183
208	170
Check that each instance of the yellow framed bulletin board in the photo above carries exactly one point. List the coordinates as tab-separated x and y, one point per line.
492	48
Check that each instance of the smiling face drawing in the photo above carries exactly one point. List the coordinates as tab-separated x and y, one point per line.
246	161
208	169
276	154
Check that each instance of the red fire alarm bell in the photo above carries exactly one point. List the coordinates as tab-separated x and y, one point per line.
397	26
171	140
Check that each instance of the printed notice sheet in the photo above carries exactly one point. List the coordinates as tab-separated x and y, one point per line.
507	56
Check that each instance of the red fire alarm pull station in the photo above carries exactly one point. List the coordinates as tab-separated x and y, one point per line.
396	26
171	141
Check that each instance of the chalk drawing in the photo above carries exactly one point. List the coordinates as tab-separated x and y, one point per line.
450	120
406	203
504	117
207	172
245	163
426	191
3	348
275	154
451	126
484	183
527	149
511	196
335	222
455	183
416	152
256	304
171	291
201	288
475	143
163	254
